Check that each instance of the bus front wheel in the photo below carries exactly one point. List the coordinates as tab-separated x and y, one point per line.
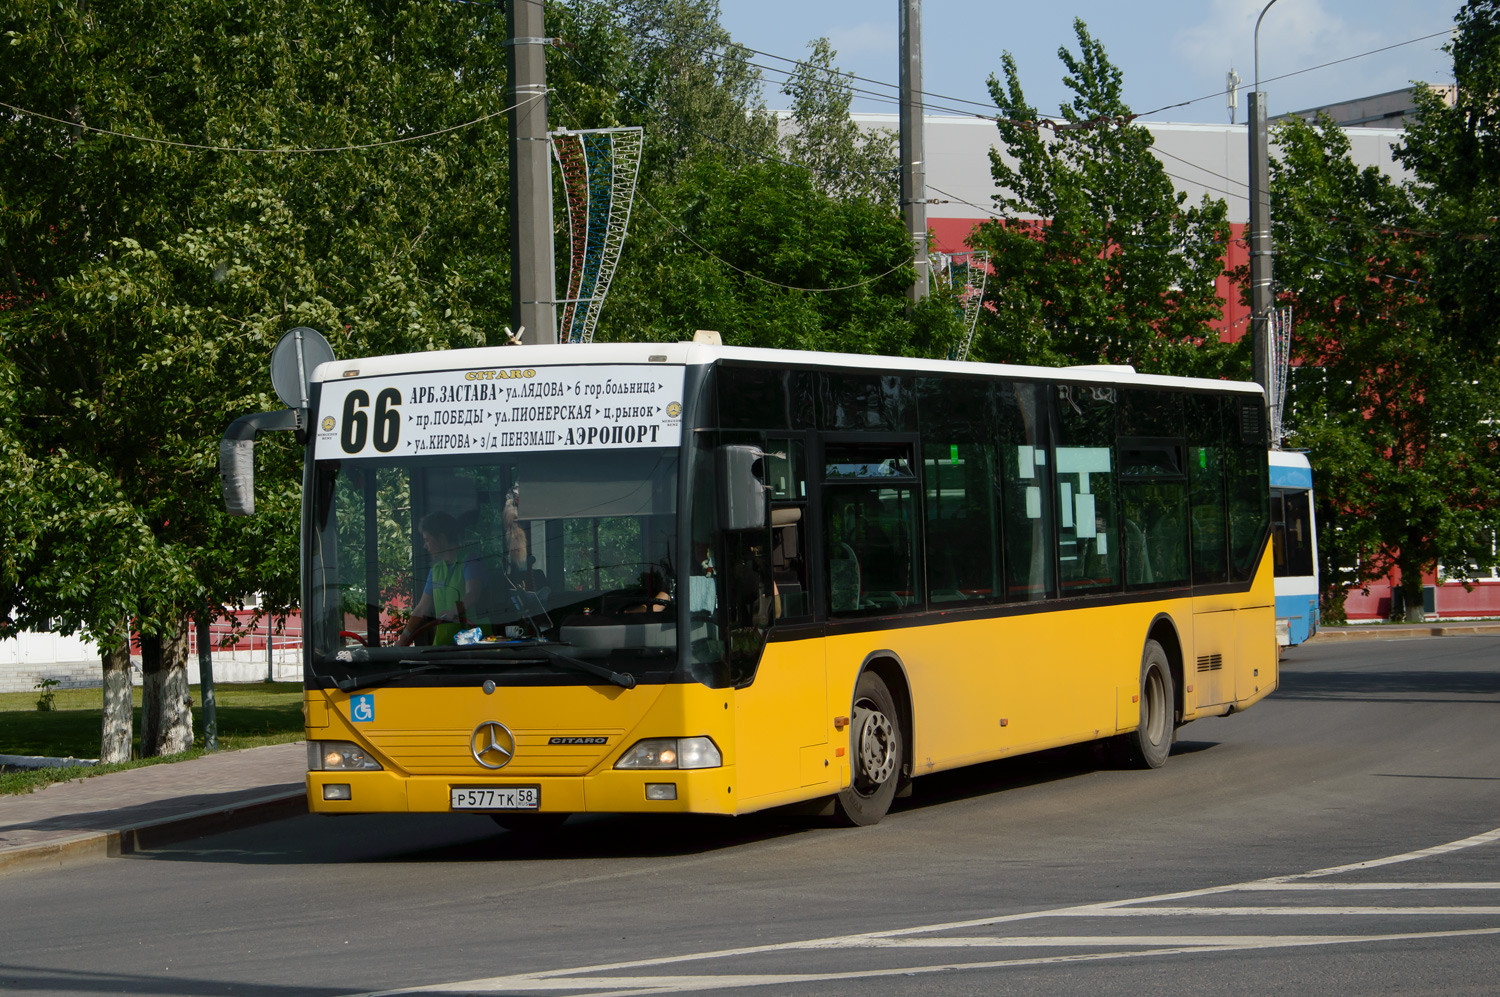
1149	744
878	751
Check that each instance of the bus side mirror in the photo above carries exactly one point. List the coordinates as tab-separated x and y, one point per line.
237	457
742	493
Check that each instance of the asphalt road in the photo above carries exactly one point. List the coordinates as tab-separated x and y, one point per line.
1343	837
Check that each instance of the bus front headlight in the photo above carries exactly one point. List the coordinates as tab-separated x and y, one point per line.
339	756
672	753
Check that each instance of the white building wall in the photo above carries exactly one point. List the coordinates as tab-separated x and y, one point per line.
1200	158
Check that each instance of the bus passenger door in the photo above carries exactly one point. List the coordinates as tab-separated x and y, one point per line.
782	716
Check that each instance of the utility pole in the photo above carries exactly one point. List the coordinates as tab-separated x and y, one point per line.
1261	300
533	290
1260	246
913	156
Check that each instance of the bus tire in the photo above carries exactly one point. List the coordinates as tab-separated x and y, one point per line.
1148	746
877	751
529	825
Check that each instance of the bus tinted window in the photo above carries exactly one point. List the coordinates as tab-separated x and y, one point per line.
866	401
1249	501
962	503
870	525
765	398
1291	533
1153	500
1150	413
788	480
1026	501
1087	539
1208	526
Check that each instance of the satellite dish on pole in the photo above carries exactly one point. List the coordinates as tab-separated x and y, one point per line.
293	361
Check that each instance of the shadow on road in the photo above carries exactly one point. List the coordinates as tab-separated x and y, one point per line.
468	838
1025	770
1416	686
38	979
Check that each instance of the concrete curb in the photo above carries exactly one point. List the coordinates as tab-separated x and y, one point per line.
91	845
1401	633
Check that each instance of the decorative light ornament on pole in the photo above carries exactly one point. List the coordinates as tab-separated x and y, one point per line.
599	168
533	309
1261	292
913	165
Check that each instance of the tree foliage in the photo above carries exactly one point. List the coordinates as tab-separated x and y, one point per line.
1096	258
1394	428
846	162
149	280
146	278
731	229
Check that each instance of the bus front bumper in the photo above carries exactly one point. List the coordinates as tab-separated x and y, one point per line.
610	791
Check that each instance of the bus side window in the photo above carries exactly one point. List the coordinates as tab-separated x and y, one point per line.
1249	507
1206	437
787	476
1088	541
1297	533
1021	416
962	500
870	522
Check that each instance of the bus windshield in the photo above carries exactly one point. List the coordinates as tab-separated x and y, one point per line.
444	566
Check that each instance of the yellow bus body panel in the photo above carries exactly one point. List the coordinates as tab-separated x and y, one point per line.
980	689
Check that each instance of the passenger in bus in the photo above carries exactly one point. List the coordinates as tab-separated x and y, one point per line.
651	582
519	566
454	582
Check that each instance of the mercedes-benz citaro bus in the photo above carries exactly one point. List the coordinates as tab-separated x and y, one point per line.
681	577
1294	547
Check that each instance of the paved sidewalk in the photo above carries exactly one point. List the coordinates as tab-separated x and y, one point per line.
1392	631
122	812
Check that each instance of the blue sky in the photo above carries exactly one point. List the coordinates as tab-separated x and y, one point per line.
1168	50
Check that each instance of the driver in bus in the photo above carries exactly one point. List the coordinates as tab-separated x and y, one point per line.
453	583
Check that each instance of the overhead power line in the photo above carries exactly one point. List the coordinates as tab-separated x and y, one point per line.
1299	72
282	150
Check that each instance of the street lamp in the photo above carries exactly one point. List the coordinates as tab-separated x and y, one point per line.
1260	231
1257	42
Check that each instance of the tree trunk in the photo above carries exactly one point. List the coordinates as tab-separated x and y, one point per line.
166	705
1411	593
118	732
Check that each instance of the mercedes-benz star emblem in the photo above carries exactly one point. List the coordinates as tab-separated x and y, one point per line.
492	744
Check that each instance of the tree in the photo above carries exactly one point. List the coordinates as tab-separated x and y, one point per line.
150	280
1389	405
846	162
1453	149
1095	257
729	226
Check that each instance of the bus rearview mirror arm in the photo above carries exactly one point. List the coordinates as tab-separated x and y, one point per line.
237	456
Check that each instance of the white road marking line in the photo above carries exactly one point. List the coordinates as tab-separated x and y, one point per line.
1105	941
1275	911
1423	853
629	986
1081	910
1373	887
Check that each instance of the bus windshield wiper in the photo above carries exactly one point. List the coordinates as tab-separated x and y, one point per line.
354	683
624	680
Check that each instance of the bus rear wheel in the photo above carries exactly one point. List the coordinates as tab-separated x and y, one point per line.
878	753
1148	746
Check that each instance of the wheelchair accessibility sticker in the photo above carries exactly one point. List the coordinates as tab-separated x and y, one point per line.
362	708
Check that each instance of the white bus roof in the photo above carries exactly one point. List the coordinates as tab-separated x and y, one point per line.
697	354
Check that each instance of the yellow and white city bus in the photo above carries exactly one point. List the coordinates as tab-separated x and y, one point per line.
546	580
